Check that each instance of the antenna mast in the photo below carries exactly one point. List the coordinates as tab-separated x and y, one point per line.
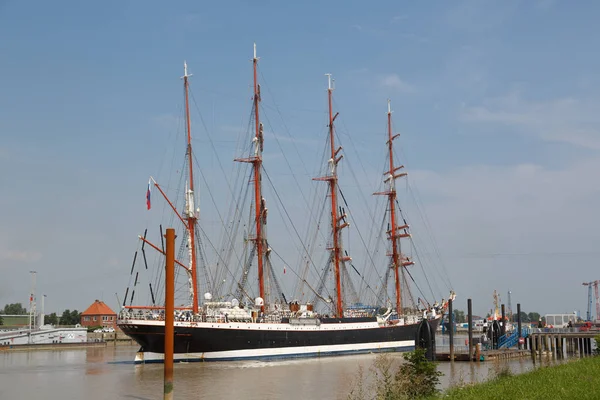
259	202
396	231
190	213
32	310
337	222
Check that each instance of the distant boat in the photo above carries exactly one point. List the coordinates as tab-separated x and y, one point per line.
267	325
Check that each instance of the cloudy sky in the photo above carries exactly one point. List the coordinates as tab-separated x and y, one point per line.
497	104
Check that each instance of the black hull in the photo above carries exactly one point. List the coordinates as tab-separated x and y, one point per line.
260	343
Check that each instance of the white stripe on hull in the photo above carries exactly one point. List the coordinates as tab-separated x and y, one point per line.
259	326
281	352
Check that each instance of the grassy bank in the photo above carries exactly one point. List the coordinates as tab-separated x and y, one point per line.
578	379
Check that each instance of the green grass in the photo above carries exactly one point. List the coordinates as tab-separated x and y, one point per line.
578	380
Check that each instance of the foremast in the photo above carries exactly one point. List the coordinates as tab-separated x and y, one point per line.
396	232
338	222
190	215
260	209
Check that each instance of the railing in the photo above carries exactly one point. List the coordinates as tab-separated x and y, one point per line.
559	330
512	339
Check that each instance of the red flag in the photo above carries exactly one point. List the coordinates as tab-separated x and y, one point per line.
148	196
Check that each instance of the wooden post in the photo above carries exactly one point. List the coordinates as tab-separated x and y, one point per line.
559	346
540	344
503	329
169	313
451	329
531	346
519	325
470	324
589	345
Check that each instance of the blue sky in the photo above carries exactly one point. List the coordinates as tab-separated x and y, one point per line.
496	102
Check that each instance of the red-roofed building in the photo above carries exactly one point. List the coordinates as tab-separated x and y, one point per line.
99	314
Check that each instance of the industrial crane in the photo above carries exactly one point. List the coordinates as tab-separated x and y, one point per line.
589	308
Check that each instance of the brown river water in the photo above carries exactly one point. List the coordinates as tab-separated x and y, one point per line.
106	373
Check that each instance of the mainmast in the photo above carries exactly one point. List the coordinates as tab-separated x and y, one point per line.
190	214
337	222
395	232
259	201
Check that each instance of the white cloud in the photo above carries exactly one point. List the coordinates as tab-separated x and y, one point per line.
520	227
545	4
567	120
475	16
397	18
22	255
393	81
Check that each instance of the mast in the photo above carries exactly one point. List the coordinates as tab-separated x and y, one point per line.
257	164
335	219
396	231
190	214
259	201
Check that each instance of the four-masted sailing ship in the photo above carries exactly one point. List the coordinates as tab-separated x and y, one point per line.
214	329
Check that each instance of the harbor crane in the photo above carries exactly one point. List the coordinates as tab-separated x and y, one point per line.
589	307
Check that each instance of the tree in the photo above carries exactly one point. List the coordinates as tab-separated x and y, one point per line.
524	317
51	319
1	320
533	317
75	317
69	317
14	309
65	318
459	316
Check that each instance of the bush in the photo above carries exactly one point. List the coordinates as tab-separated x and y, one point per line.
93	328
417	378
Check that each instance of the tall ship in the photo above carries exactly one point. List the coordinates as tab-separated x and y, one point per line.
237	307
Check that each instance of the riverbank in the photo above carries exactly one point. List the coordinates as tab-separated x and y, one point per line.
51	346
578	379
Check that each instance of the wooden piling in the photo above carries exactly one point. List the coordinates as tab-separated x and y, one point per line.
470	324
503	328
519	325
451	329
531	347
589	345
169	313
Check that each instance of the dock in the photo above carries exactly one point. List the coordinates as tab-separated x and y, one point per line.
484	355
561	341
